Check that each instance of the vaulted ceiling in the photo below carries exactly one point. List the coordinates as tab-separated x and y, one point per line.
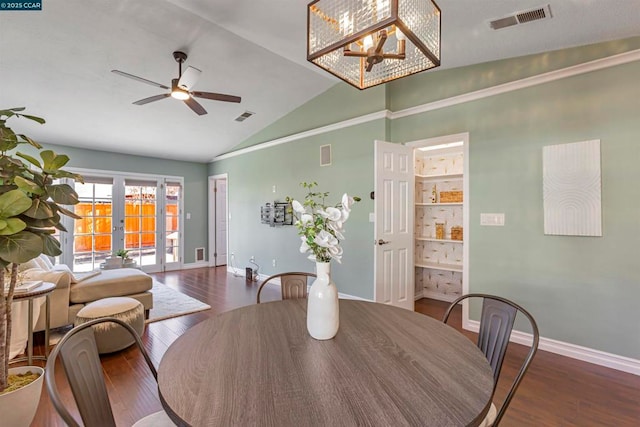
57	62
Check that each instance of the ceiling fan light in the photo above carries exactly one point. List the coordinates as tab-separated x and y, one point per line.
177	92
180	94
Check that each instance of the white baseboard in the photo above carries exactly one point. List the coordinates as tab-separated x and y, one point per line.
242	272
597	357
190	265
438	296
276	282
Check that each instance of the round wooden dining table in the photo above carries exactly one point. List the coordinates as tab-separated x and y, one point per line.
387	366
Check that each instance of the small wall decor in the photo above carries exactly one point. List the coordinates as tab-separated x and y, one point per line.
572	189
276	214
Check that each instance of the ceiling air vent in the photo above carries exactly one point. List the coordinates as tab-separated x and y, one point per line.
244	116
542	12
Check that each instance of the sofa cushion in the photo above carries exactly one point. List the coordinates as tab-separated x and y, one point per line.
110	283
29	265
41	261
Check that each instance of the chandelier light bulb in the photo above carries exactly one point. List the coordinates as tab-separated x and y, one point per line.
367	42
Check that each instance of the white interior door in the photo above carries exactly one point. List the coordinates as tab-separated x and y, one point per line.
394	188
221	222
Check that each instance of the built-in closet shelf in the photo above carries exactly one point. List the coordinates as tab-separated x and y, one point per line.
438	262
433	239
444	177
439	204
445	267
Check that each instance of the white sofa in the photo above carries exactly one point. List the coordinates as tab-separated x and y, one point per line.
72	293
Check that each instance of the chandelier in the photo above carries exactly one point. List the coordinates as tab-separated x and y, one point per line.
370	42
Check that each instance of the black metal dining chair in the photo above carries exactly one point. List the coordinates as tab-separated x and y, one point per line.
496	324
292	284
78	353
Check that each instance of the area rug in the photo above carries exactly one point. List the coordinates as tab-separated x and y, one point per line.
168	303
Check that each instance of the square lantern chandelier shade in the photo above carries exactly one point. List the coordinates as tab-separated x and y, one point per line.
370	42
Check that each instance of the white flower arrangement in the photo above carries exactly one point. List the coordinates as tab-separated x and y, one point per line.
320	226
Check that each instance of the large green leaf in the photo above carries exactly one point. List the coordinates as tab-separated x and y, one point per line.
68	213
51	246
12	226
11	111
34	118
39	209
63	194
42	223
28	186
47	157
13	203
30	159
64	174
52	161
20	247
58	161
30	141
8	140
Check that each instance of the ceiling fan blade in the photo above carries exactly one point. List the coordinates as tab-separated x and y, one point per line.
217	96
152	98
189	78
140	79
195	106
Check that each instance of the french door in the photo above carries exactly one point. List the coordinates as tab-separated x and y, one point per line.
140	214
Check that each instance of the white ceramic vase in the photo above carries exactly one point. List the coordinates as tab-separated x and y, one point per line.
323	317
17	408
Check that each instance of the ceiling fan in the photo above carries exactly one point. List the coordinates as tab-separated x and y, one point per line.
181	87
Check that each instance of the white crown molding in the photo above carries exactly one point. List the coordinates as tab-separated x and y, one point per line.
383	114
574	70
597	357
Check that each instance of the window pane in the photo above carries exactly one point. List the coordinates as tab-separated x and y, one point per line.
171	254
149	224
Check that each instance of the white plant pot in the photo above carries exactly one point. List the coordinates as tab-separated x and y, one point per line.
18	407
323	317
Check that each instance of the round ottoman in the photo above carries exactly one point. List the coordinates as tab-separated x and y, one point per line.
110	336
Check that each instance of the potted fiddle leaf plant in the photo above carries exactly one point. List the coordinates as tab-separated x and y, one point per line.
31	205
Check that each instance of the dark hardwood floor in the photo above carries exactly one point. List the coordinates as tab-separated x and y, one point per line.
557	391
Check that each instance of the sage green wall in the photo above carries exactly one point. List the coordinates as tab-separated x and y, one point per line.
252	176
581	290
440	84
195	184
340	102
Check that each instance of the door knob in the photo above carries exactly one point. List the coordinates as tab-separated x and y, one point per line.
382	242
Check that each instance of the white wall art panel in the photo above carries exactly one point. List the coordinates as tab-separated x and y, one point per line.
572	189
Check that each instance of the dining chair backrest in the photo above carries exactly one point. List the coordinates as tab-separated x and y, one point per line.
496	323
78	353
293	284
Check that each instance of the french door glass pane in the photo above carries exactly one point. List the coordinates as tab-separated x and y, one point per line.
92	241
172	222
139	222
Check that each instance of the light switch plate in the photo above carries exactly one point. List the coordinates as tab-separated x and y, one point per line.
495	219
372	217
